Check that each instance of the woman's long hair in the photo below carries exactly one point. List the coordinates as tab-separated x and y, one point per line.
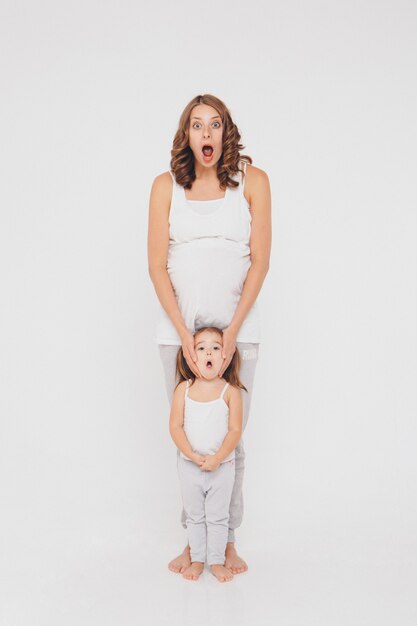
182	157
231	374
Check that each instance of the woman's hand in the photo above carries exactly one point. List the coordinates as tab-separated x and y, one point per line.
197	459
187	341
210	463
229	348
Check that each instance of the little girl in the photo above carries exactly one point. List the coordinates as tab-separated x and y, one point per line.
206	426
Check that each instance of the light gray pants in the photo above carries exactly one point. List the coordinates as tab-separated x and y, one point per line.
249	358
206	499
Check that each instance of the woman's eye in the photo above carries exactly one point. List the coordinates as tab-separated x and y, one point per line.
197	125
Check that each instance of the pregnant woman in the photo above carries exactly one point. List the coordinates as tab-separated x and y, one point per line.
209	244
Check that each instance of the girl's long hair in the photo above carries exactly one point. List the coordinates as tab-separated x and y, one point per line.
231	374
182	157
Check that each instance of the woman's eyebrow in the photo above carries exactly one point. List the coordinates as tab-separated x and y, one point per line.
199	118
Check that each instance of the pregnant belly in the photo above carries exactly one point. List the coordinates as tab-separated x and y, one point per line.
208	280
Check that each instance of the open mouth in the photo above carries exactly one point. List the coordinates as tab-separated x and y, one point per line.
207	151
209	364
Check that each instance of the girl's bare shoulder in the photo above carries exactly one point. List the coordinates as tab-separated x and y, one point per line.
180	389
231	393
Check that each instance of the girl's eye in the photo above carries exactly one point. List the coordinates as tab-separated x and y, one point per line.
216	348
200	348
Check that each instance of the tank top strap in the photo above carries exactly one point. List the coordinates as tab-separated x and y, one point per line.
175	196
187	386
242	183
224	389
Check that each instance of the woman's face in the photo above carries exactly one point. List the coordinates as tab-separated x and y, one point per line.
206	129
208	348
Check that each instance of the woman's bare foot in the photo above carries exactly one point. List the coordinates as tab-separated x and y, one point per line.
221	573
233	562
194	571
181	562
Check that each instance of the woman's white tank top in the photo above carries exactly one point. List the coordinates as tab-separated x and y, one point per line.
208	260
206	424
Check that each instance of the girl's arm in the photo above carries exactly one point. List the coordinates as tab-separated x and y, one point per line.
158	240
260	250
176	423
235	425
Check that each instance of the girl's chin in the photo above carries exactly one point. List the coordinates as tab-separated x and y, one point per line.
209	374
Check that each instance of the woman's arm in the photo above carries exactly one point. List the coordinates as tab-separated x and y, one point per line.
158	240
258	189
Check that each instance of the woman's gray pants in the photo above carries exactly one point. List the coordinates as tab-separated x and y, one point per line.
249	358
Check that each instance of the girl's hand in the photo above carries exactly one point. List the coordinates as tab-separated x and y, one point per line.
229	348
210	463
190	356
197	459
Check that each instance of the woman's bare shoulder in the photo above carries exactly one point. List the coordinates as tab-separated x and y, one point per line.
255	174
160	196
162	184
256	180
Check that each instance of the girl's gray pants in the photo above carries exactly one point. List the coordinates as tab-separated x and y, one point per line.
206	499
249	358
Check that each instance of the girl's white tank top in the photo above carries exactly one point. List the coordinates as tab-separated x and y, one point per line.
206	424
208	260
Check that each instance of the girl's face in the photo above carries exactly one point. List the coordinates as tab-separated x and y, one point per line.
208	347
206	129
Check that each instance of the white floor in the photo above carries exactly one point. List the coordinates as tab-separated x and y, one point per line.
130	585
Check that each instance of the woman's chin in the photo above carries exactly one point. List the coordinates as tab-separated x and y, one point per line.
206	162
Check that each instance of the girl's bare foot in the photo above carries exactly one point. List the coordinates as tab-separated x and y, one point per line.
233	562
181	562
221	573
194	571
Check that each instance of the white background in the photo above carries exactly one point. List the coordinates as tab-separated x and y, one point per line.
324	94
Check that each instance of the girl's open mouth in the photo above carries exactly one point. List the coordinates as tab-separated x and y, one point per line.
209	364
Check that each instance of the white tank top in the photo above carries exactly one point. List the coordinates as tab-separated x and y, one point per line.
208	260
206	424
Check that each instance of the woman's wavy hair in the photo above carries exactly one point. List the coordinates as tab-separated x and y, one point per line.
231	374
182	157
